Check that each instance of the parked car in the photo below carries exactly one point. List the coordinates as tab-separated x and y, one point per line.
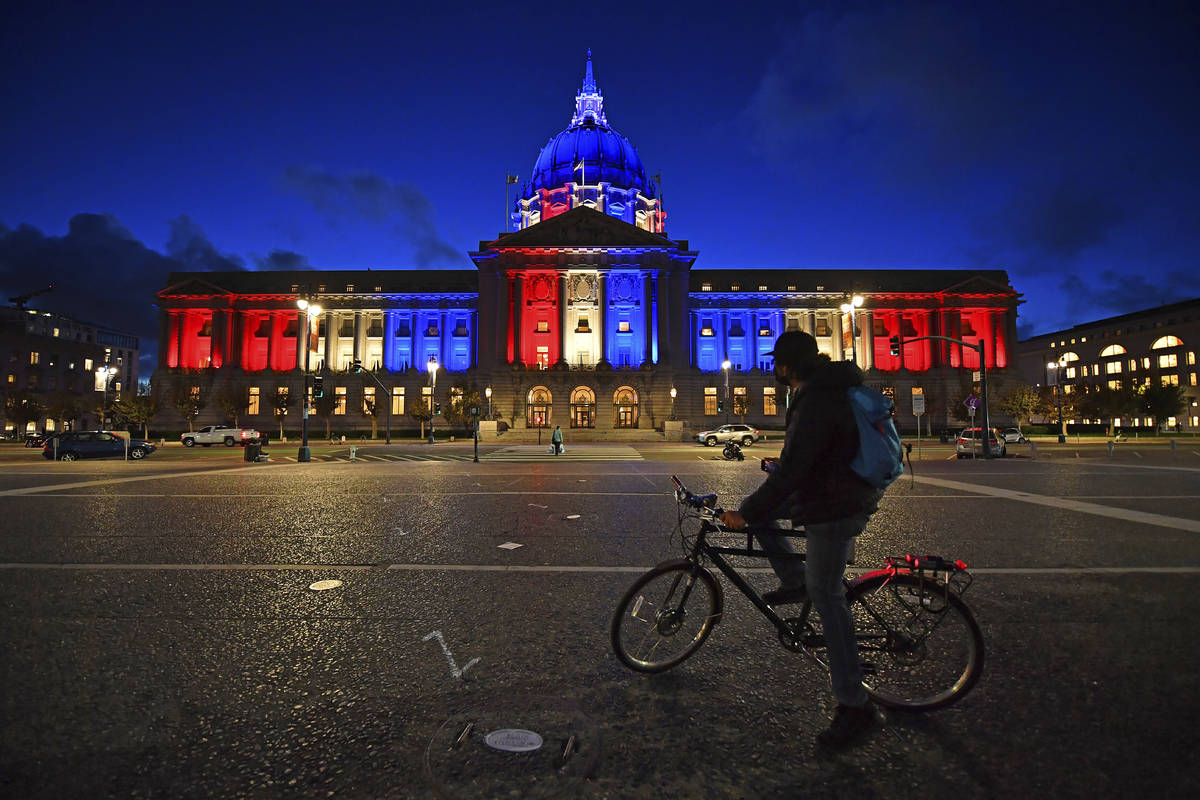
219	434
967	444
742	434
35	439
73	445
1012	435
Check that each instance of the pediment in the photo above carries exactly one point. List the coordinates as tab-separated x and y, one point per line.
978	284
193	286
581	227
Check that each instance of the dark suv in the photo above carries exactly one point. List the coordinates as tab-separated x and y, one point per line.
73	445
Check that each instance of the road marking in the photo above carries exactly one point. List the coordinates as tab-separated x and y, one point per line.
551	568
1128	515
454	670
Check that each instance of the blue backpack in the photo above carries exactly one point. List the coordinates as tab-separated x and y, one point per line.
880	458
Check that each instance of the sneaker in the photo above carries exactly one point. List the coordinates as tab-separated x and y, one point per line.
849	723
785	595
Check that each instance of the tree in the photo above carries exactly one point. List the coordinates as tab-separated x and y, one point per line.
1162	402
324	406
741	406
373	408
459	410
65	408
1105	403
420	411
280	402
188	402
23	407
1020	403
138	410
1048	405
233	402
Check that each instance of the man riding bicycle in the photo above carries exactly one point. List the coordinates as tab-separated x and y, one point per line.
812	484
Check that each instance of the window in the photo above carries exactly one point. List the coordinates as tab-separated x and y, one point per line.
1133	365
1112	367
252	405
1191	379
706	287
791	324
1191	358
543	326
623	326
710	400
791	287
706	328
761	288
741	401
582	326
1146	363
1070	373
737	287
397	400
769	400
1084	371
34	357
12	378
349	287
823	327
368	403
340	393
1170	380
1165	341
432	330
379	288
1168	360
543	357
295	287
1114	385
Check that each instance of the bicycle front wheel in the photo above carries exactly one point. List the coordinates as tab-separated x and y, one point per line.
920	648
665	616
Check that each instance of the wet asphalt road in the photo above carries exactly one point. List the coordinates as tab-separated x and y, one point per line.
161	639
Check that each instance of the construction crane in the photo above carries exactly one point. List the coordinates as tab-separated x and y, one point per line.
20	301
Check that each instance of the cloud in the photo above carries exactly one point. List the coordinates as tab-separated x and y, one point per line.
401	207
189	245
281	259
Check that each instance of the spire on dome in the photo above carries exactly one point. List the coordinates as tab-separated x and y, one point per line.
589	103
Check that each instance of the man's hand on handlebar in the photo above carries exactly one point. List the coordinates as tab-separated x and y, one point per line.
732	520
768	464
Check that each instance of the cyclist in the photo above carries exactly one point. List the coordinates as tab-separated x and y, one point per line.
812	484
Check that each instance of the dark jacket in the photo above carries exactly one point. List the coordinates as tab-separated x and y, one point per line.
813	481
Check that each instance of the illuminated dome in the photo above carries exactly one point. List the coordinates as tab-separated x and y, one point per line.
589	164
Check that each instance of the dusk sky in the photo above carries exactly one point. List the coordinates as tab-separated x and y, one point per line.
1056	141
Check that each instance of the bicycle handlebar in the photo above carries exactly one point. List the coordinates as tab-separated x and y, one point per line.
706	504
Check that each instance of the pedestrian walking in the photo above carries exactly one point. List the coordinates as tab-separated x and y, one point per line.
556	440
812	484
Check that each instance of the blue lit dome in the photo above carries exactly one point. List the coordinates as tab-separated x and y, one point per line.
606	156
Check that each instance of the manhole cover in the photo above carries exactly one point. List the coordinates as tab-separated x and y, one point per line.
528	747
321	586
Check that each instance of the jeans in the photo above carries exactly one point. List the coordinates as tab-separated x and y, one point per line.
828	548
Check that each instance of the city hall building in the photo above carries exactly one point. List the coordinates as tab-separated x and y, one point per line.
586	314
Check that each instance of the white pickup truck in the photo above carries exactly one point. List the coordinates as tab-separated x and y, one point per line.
215	434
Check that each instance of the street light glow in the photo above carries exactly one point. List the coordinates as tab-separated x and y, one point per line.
725	364
301	304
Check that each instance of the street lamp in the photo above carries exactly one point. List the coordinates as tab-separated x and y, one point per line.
433	368
104	377
1055	368
848	308
488	393
725	366
673	402
311	312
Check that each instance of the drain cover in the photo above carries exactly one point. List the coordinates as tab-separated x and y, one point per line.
528	747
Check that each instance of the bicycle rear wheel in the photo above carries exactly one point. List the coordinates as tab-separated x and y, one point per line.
920	648
665	616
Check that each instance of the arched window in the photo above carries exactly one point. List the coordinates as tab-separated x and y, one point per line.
1166	341
625	408
1069	357
538	407
1112	350
583	407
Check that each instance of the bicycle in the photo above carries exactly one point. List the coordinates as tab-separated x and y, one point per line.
919	644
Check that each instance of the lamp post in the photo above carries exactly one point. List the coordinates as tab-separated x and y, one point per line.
433	368
1055	368
104	377
848	308
488	393
311	312
725	366
673	393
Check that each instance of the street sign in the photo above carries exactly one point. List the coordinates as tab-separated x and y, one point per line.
976	376
918	404
972	402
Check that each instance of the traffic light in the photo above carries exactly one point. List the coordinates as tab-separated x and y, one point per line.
895	340
318	386
720	406
437	408
356	366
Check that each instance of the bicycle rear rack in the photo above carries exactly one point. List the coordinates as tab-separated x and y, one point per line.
926	608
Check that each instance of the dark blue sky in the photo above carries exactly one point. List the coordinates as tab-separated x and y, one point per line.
1056	141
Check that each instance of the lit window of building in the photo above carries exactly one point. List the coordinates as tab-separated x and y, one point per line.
769	400
252	404
710	400
340	407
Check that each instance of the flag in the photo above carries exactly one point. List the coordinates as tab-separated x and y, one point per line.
510	178
579	165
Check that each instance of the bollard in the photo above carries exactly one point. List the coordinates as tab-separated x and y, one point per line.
1172	447
353	453
1033	449
1111	446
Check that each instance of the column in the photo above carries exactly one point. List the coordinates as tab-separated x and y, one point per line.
663	280
809	321
648	318
723	321
839	353
331	339
389	340
518	316
602	317
693	330
301	338
164	334
272	322
750	334
472	340
447	339
360	335
499	341
562	317
237	327
866	345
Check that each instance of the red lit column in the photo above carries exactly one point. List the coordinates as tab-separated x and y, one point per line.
602	315
164	333
518	315
562	317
